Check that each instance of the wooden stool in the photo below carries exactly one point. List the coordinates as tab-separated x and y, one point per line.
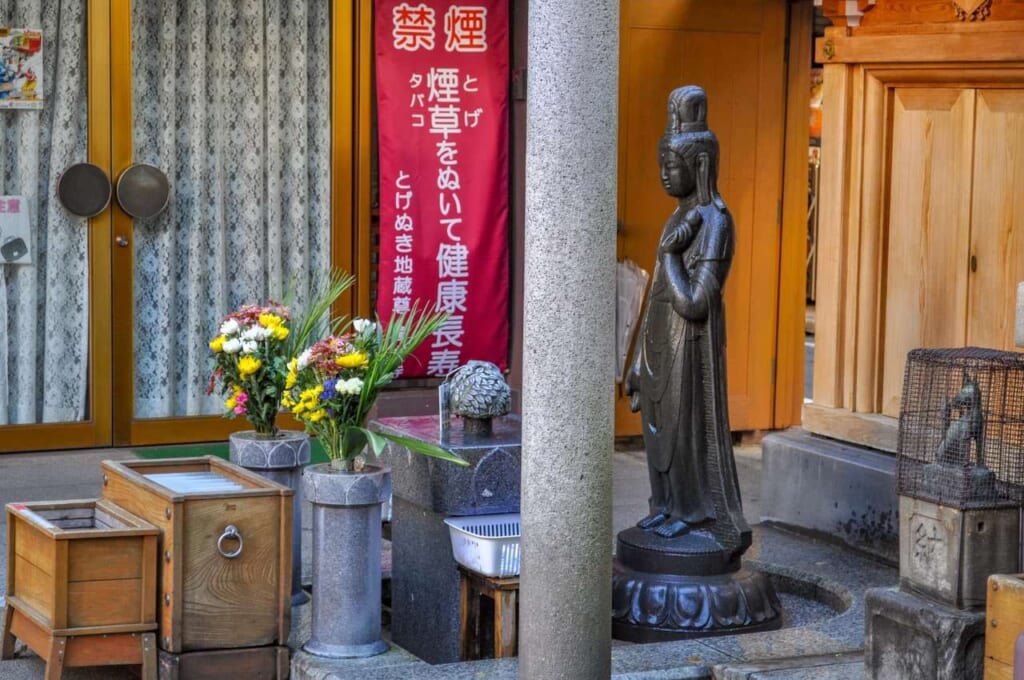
505	594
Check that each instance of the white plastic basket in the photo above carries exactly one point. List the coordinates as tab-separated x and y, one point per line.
486	544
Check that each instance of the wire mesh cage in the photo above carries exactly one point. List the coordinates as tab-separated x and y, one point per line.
961	429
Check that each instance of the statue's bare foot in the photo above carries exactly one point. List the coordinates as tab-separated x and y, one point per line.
676	527
652	520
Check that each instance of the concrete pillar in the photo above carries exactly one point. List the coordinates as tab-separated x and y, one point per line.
568	339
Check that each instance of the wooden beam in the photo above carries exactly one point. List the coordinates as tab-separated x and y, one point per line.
831	256
867	429
845	12
995	46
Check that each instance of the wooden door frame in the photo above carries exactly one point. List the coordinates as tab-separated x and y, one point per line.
350	249
96	429
849	361
792	296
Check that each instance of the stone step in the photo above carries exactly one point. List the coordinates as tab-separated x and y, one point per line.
849	666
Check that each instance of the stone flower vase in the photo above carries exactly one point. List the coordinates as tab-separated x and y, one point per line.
280	459
346	559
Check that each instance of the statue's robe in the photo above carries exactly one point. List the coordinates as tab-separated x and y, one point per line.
679	369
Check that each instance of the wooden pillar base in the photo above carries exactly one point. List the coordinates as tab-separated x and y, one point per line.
252	663
60	649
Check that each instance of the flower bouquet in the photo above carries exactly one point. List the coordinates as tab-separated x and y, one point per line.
252	349
332	386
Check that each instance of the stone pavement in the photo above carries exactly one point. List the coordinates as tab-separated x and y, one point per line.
57	476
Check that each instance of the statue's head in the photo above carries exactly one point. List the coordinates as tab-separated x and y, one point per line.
688	152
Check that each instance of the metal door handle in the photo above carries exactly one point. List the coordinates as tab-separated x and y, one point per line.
143	191
84	189
121	241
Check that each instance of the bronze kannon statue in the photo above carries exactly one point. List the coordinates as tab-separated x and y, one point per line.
677	379
678	573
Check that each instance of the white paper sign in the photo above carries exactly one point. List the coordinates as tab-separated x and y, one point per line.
15	243
21	68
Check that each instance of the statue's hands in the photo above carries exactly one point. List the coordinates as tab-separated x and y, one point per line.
682	235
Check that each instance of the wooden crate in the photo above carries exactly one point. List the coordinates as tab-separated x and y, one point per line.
209	600
81	585
1004	623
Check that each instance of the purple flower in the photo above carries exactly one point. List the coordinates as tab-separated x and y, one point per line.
329	392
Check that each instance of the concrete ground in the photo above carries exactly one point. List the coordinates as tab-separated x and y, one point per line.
73	475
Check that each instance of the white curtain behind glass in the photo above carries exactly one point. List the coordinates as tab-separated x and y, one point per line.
231	100
44	307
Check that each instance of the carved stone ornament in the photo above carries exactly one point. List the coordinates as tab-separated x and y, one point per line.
478	393
973	10
654	607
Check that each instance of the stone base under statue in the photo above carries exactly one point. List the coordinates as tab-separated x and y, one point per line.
686	587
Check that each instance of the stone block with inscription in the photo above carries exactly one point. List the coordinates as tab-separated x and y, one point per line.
948	554
909	637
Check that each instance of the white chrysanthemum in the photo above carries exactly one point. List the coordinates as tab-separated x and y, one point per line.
361	325
249	346
303	360
229	327
232	346
350	386
256	333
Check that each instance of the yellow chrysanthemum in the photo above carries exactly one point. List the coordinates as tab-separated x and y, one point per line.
353	360
230	402
270	320
248	365
290	379
217	344
280	333
311	394
316	416
286	400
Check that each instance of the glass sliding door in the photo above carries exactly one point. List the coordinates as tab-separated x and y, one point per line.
242	105
230	100
54	286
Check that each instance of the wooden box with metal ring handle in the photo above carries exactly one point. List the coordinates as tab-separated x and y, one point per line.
225	560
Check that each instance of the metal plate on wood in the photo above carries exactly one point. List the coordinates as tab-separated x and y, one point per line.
84	189
143	191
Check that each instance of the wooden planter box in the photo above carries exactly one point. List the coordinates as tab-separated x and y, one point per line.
1005	615
225	553
81	585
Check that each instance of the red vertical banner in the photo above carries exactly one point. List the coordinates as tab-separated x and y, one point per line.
442	118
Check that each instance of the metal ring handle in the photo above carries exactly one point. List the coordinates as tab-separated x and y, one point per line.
230	531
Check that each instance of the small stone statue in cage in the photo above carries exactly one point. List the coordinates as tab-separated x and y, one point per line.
953	467
955	447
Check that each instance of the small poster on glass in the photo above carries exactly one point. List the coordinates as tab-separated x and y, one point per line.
14	233
21	68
